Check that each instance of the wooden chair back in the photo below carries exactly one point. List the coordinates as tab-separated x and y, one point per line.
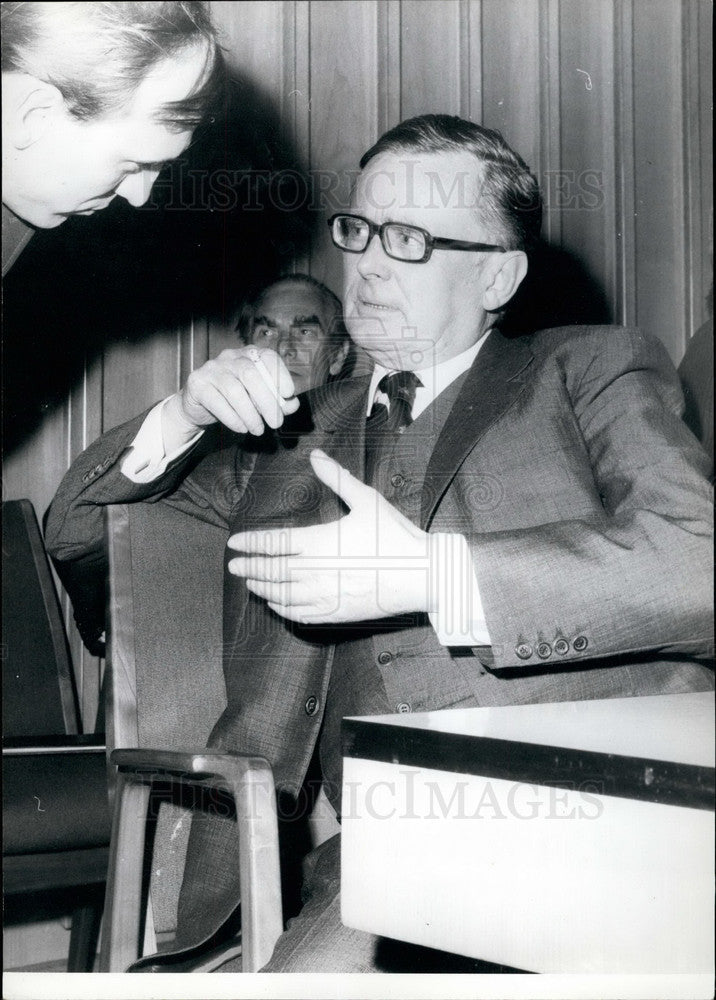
164	656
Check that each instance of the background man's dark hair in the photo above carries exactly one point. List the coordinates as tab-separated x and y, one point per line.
334	307
97	54
510	202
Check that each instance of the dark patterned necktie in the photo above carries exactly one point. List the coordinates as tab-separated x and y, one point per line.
386	421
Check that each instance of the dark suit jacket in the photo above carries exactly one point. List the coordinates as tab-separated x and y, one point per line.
563	459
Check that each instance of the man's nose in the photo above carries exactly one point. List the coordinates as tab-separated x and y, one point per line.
137	187
374	261
286	348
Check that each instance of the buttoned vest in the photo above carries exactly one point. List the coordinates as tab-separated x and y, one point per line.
377	672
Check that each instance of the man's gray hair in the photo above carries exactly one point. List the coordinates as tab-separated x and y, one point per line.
509	202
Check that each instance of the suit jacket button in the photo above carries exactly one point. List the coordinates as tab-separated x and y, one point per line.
524	650
384	657
397	481
402	707
544	650
580	643
561	646
311	705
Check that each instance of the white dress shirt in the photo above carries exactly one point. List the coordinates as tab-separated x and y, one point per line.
456	611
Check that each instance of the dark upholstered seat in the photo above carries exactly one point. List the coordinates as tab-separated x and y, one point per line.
54	801
55	809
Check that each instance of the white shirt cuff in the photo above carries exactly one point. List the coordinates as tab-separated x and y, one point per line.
458	616
146	460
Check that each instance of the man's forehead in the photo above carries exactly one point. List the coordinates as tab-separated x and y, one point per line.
421	181
292	303
171	80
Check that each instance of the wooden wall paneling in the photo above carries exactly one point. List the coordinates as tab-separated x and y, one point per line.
251	34
343	114
138	374
587	189
510	73
624	209
296	93
697	65
84	425
35	469
705	135
471	60
659	175
196	345
430	57
34	472
389	64
549	157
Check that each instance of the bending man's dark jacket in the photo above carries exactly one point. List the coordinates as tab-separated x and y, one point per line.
562	458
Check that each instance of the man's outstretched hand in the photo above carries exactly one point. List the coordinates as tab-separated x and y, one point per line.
371	563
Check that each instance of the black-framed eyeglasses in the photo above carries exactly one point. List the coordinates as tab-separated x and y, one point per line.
353	233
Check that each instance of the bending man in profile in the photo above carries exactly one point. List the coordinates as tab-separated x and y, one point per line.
479	521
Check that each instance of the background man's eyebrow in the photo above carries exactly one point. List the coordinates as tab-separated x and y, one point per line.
265	320
307	320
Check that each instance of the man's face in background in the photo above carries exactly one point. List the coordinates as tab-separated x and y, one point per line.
303	327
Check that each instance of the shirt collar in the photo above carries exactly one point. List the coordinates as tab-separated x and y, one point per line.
434	379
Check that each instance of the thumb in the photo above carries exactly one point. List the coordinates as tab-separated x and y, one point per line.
351	490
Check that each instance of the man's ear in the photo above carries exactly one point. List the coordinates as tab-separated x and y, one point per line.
31	105
339	356
506	278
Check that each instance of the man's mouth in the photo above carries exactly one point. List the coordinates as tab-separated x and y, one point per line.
375	306
95	205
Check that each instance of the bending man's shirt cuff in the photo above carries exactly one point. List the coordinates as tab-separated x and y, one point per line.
147	460
458	617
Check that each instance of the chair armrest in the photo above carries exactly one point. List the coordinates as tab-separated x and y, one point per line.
250	780
14	745
216	768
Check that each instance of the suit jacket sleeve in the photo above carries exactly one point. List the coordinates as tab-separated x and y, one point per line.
203	482
637	575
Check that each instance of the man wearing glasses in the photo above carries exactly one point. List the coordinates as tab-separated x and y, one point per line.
482	520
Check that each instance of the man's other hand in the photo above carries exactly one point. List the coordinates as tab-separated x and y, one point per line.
244	388
372	563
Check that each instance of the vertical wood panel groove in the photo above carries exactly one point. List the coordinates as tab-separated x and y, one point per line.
695	78
464	79
388	97
301	92
550	139
624	207
682	233
475	56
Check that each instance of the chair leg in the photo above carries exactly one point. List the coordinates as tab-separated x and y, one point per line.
85	934
123	902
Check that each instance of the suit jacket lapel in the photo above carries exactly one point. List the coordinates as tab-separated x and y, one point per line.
491	386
